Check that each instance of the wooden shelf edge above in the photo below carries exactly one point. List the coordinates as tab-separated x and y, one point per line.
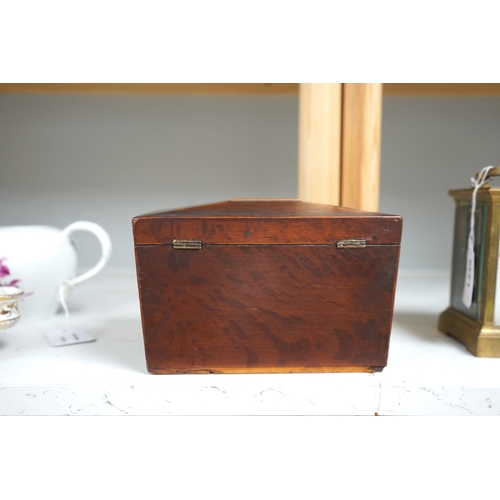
155	88
441	89
242	89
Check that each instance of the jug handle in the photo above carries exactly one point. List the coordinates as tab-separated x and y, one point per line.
105	242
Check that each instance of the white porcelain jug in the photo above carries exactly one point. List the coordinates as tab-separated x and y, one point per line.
42	261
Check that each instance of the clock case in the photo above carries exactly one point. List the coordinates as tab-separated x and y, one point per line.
478	327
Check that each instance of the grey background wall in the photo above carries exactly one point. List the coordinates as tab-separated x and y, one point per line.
430	146
108	158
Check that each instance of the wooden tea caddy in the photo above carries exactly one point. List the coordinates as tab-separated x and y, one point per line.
266	286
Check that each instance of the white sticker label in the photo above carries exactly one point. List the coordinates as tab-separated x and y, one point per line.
62	337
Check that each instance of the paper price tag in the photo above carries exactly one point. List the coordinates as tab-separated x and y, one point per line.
469	276
468	289
62	337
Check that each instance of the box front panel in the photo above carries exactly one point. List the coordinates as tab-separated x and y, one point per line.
250	308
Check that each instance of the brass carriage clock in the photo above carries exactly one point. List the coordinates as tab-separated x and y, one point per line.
474	313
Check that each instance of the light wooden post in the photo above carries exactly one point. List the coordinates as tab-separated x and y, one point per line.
361	133
320	106
339	144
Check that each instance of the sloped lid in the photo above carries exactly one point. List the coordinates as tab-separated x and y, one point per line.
266	221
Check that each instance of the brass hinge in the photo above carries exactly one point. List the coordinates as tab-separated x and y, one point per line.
354	243
186	245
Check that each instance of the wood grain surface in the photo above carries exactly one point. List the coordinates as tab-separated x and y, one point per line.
320	134
268	291
266	222
361	135
244	308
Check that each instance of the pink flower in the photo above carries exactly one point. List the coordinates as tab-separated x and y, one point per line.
4	270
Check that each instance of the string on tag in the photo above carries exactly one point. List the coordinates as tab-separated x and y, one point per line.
62	300
468	290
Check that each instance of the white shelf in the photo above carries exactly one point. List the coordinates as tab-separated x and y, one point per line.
428	373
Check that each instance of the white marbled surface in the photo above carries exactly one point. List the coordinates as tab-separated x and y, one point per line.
428	373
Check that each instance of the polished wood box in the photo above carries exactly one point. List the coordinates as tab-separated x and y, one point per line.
266	286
